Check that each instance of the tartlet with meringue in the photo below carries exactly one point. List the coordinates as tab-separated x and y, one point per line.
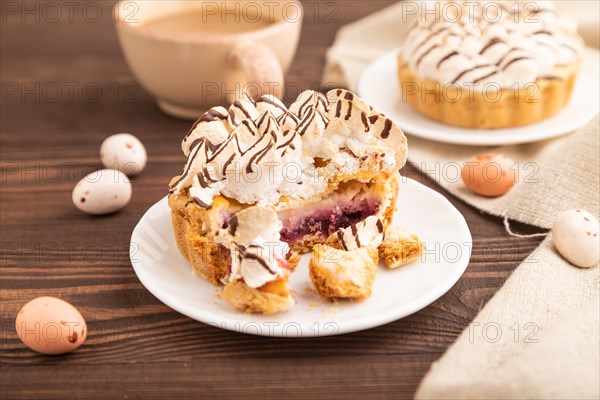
489	64
264	183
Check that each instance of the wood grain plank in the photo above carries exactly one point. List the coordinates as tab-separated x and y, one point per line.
335	378
138	347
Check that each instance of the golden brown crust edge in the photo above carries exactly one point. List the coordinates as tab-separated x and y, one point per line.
473	110
208	259
400	252
250	300
327	285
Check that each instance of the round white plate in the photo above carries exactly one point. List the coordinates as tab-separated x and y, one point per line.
396	293
379	87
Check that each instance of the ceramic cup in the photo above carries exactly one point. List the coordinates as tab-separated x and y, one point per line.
188	72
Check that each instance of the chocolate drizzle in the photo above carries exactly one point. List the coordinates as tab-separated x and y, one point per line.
508	53
385	133
424	54
547	45
233	225
307	101
286	118
238	112
243	253
340	236
257	157
542	10
481	78
348	111
311	115
429	37
446	57
514	60
289	142
214	114
194	125
227	163
489	44
379	226
463	73
200	203
355	234
273	101
365	121
568	46
349	237
302	107
338	109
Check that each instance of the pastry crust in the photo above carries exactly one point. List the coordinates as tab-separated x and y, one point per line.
470	108
208	259
336	273
400	247
250	300
293	260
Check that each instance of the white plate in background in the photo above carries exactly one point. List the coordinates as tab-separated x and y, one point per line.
379	87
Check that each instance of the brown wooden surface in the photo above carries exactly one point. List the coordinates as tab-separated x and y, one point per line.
138	347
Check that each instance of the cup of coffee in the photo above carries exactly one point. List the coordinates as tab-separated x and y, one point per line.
192	55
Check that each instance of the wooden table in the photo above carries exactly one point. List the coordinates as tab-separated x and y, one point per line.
65	87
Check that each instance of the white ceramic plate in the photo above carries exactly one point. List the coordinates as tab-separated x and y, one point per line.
379	87
396	293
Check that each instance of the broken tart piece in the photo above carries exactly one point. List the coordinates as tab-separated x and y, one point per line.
345	267
324	163
338	273
399	247
257	282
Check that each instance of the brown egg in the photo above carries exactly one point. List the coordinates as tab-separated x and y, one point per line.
50	326
490	174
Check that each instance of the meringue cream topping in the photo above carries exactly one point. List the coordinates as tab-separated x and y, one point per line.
257	151
506	43
366	233
255	246
253	264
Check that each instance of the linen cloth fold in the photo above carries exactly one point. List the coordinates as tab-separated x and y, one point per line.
538	337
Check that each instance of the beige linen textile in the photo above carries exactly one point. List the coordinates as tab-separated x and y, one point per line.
539	335
537	338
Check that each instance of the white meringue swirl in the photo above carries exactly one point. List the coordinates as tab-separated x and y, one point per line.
258	151
505	43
